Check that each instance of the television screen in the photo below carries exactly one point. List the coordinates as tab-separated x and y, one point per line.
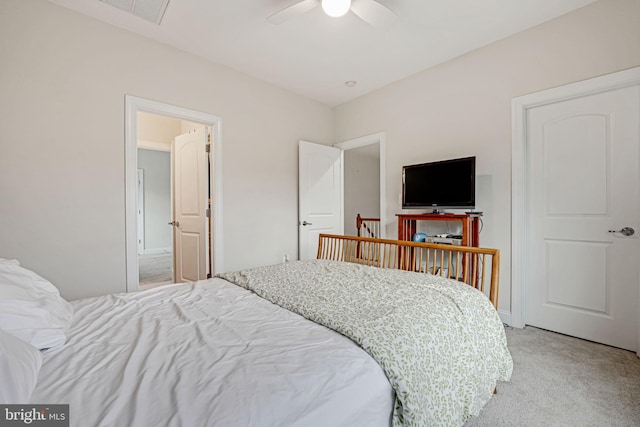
440	185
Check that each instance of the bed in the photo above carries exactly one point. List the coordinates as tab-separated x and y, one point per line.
240	349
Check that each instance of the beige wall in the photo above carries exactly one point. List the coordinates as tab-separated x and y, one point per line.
62	179
186	126
463	107
361	185
156	167
63	82
152	127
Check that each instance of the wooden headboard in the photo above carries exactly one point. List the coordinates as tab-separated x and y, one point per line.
467	264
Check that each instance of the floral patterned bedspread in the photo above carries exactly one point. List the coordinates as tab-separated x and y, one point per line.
439	341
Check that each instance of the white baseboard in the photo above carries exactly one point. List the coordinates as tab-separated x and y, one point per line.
505	316
157	251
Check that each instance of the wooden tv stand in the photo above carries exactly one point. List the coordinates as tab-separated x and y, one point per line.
470	225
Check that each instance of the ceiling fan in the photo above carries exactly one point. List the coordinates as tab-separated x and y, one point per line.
369	11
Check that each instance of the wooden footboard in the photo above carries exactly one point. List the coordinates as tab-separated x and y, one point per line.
477	267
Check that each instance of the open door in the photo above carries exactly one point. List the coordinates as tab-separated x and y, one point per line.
190	205
320	195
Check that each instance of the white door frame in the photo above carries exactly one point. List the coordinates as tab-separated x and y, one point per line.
376	138
132	106
520	221
140	211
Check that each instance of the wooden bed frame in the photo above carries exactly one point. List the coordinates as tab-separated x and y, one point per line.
467	264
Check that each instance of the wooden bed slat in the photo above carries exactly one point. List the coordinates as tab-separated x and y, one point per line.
470	265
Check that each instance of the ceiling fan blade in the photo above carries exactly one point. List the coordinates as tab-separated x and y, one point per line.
372	12
293	11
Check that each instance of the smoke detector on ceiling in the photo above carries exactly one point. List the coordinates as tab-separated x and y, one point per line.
150	10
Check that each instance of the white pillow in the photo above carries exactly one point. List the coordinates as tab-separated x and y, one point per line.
31	308
10	261
19	366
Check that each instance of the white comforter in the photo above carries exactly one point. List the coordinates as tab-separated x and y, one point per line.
209	354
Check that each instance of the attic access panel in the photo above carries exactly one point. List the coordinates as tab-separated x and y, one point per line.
150	10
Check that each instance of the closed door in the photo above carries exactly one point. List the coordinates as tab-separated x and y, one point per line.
584	208
320	195
190	205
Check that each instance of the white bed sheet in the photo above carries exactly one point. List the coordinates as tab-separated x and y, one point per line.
209	354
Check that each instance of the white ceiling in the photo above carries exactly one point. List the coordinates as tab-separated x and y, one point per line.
314	54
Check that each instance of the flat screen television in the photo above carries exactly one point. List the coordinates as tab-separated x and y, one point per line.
447	184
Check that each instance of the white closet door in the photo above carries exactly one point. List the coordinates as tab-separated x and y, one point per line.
584	178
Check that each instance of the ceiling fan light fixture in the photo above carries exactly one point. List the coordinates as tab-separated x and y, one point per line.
336	8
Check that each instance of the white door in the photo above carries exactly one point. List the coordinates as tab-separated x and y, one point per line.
584	176
190	204
320	195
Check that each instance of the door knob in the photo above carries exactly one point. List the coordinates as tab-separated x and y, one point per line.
306	223
626	231
175	223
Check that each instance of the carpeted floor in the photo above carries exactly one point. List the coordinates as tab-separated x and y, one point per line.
564	381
